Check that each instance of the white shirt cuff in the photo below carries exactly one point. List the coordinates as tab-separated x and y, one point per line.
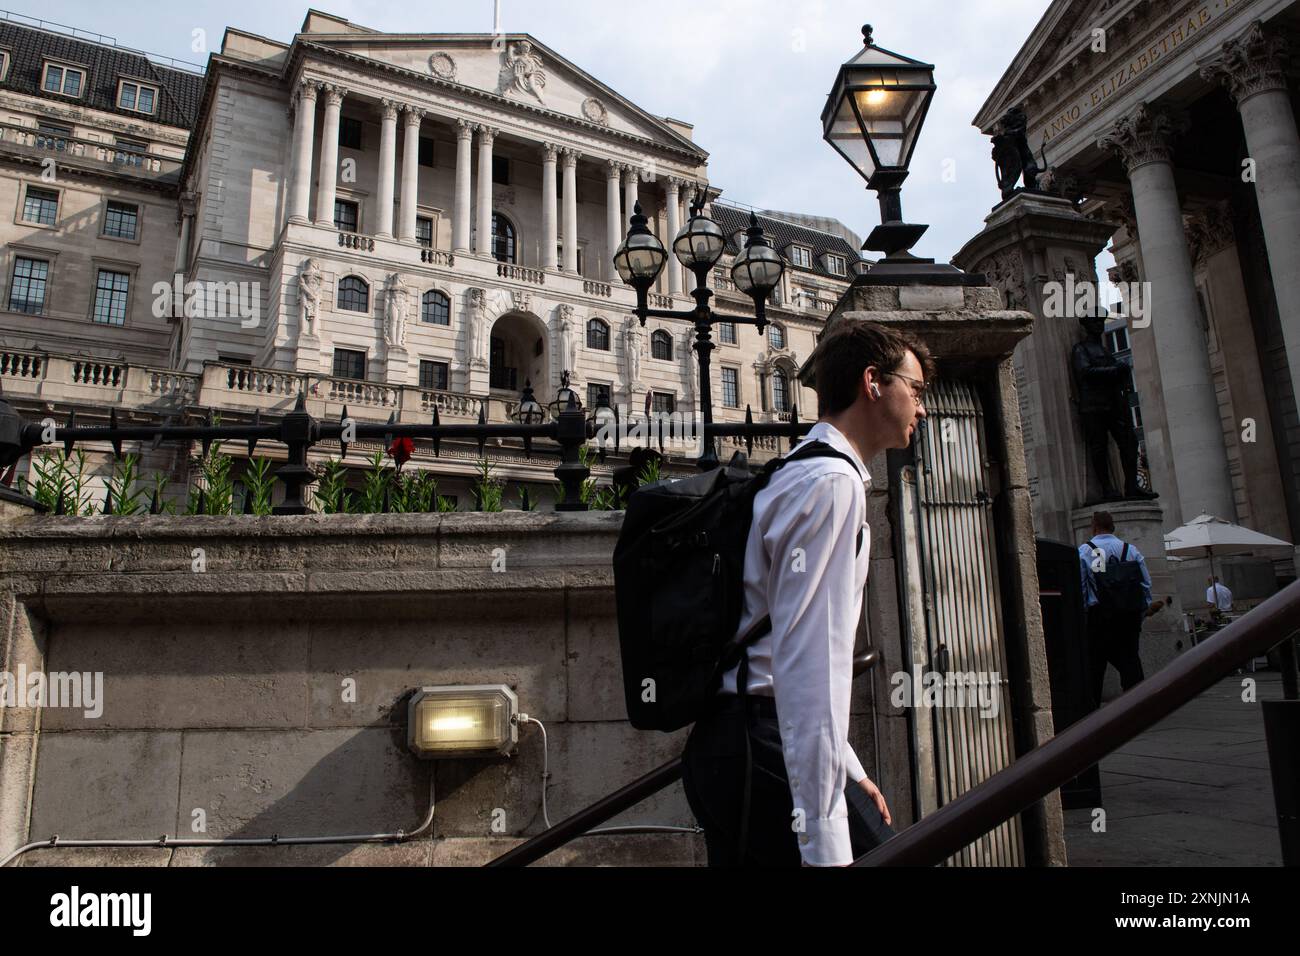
827	842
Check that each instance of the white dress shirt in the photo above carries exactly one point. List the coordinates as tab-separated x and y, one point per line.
800	568
1219	596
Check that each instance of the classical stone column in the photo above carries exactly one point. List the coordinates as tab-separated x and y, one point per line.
410	171
1253	68
550	226
1144	140
387	168
673	191
329	156
629	191
613	218
463	200
188	207
569	159
483	241
304	132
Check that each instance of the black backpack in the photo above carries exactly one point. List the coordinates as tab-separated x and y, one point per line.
1119	587
679	584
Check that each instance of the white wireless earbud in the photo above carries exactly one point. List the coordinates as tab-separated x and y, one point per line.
875	389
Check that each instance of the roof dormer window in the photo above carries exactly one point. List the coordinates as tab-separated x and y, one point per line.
836	265
138	97
4	65
64	80
801	256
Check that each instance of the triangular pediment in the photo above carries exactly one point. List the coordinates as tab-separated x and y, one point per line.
514	67
1064	28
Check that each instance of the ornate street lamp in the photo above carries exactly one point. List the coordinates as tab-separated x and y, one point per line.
698	247
565	398
530	411
873	118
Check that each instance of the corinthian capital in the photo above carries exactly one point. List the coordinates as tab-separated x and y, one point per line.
464	129
333	94
549	152
413	115
1254	62
391	109
1145	135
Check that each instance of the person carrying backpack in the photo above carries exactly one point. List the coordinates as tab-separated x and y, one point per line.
767	768
1116	595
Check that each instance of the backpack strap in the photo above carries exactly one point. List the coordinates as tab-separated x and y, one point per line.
1123	555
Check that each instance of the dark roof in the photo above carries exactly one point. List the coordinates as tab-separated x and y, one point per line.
781	234
179	90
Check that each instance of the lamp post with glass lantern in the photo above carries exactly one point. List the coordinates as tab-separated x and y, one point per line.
756	271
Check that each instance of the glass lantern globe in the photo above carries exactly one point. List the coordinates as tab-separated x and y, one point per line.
700	243
641	257
758	269
530	411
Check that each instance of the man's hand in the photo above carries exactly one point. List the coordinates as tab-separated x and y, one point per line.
874	793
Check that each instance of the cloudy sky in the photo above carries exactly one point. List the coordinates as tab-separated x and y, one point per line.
752	75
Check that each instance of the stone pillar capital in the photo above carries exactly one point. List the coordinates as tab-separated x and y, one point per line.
412	115
549	152
306	90
613	169
486	134
390	109
1146	135
569	158
334	94
1253	62
464	129
630	174
673	186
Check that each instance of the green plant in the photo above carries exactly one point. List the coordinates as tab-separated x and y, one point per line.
57	477
121	496
489	492
378	480
331	488
159	492
649	472
215	494
259	482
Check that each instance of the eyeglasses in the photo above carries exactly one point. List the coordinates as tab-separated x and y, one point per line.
918	393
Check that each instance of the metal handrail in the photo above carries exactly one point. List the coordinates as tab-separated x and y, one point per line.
1049	766
1032	777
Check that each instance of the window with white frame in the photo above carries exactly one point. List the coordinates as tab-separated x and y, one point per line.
776	336
727	333
836	265
780	391
730	387
64	80
801	256
4	65
138	97
424	231
41	206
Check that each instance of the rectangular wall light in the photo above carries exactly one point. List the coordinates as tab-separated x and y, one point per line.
464	721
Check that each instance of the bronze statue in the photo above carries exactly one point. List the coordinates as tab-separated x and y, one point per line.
1102	385
1011	153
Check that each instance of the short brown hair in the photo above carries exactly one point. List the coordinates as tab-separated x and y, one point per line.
848	349
1103	521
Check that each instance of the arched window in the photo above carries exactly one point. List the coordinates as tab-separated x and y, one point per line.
780	391
503	238
661	346
598	335
435	308
354	294
776	336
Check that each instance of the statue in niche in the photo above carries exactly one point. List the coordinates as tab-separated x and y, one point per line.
569	340
309	283
632	352
527	78
1011	154
476	329
1103	384
395	313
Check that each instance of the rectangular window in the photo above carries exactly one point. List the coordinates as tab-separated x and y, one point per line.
137	97
27	290
41	206
129	152
836	265
111	289
663	403
801	256
4	65
50	136
727	333
730	388
597	395
349	363
424	231
501	170
426	151
121	220
345	215
65	80
559	257
433	375
350	132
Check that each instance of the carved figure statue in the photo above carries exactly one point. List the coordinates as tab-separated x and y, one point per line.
632	351
1011	153
476	329
526	74
395	313
309	283
1102	385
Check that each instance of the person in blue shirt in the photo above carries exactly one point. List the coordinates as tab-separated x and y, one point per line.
1113	634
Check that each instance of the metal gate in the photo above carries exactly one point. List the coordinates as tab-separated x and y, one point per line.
953	618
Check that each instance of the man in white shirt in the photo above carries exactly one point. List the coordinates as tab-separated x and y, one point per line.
1217	596
806	566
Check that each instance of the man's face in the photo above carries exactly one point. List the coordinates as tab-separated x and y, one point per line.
900	406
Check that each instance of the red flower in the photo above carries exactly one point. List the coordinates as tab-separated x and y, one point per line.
401	451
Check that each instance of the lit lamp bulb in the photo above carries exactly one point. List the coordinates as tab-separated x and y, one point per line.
876	97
